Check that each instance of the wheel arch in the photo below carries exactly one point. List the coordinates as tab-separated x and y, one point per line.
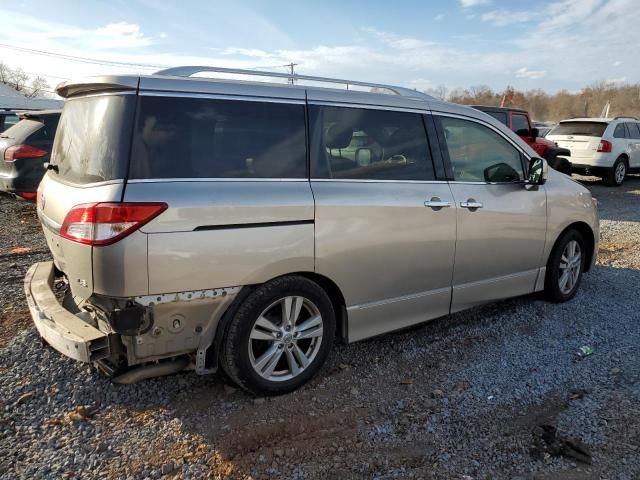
328	285
587	233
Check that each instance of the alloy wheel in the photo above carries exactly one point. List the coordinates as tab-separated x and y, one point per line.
570	267
285	338
620	173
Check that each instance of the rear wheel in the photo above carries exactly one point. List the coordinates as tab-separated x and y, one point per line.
616	174
565	267
279	337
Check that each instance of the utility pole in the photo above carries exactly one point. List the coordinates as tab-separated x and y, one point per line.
291	67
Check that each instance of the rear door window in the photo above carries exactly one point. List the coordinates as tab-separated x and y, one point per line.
93	138
586	129
177	137
634	130
500	116
368	144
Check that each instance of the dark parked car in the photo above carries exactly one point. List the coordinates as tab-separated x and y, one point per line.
8	118
24	150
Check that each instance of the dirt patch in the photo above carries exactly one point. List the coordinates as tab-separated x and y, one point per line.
12	323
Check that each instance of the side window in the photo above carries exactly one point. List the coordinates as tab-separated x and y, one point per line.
359	143
500	116
619	132
520	124
634	130
478	154
210	138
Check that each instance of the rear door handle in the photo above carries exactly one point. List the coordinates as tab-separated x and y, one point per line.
436	203
471	204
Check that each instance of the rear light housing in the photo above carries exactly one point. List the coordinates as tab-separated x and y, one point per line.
17	152
100	224
27	195
604	146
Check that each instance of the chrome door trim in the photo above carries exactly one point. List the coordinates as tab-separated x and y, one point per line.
220	96
403	298
369	106
234	179
359	180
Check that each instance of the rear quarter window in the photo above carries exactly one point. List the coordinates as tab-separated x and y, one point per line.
177	137
93	138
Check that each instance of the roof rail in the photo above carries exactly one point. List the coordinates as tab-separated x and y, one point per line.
625	116
188	71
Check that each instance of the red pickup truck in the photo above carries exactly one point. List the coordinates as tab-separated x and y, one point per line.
520	122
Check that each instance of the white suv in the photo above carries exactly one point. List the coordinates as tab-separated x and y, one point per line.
604	147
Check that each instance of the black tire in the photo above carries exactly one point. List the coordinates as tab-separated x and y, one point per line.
235	357
562	165
552	285
611	178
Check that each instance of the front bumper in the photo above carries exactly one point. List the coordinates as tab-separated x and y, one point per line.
61	329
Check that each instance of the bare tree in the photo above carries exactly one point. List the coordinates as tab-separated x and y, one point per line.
20	81
439	92
37	87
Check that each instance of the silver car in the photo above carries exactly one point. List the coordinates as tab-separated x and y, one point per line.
200	223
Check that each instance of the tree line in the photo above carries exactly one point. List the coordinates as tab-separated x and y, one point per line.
22	82
623	100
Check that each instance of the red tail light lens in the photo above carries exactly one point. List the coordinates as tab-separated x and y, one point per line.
604	146
27	195
16	152
100	224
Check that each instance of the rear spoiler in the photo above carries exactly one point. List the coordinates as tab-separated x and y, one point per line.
37	114
104	83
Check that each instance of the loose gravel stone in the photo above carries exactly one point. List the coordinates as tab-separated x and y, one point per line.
460	397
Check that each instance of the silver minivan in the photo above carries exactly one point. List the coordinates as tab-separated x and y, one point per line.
201	222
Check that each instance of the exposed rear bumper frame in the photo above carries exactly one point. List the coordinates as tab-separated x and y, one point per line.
61	329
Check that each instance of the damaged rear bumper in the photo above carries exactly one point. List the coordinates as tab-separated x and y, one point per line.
61	329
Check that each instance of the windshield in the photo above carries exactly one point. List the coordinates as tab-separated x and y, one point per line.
93	138
587	129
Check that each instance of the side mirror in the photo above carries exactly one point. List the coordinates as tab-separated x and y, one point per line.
538	169
535	133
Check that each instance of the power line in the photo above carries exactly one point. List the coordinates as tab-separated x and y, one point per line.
76	58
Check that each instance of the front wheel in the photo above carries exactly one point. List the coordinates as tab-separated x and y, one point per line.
616	174
279	337
565	267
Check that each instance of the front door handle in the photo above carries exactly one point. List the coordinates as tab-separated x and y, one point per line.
471	204
436	203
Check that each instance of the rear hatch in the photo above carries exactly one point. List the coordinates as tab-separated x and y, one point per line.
25	148
580	137
88	165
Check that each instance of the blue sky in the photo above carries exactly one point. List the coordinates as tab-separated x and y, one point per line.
555	44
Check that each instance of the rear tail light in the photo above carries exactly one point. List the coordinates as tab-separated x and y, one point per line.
105	223
604	146
27	195
16	152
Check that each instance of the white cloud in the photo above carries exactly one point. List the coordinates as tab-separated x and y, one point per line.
524	72
617	81
121	35
474	3
503	17
617	63
439	18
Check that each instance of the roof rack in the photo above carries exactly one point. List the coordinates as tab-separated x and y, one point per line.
625	116
188	71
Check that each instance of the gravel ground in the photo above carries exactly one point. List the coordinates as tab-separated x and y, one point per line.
499	392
